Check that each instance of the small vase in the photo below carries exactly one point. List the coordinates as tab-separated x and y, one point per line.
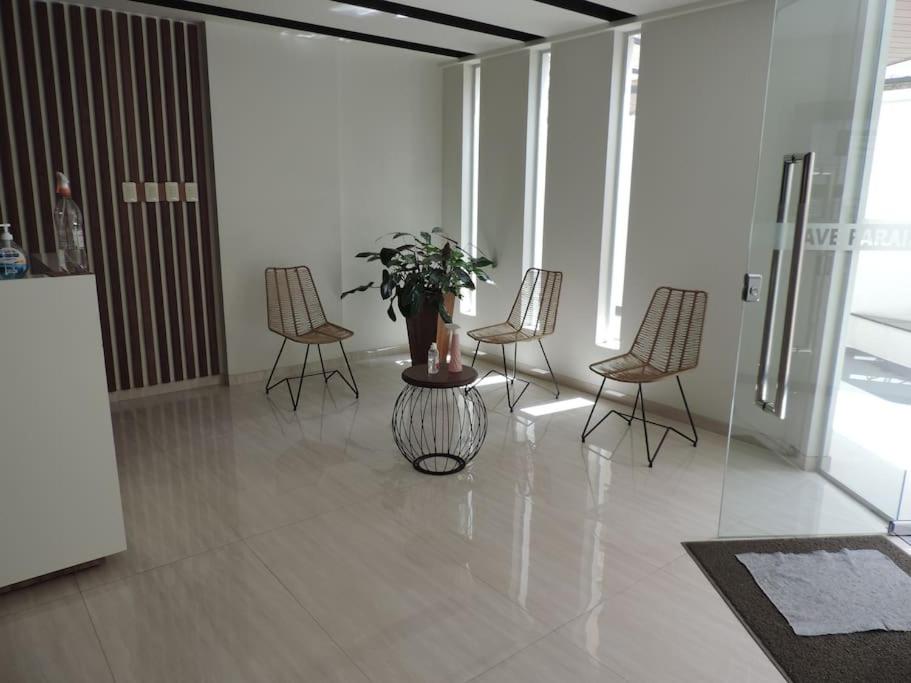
455	349
442	332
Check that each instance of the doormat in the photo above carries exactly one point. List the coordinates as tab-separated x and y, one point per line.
881	656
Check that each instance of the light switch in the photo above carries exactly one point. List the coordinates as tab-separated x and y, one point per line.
129	192
151	192
171	192
191	192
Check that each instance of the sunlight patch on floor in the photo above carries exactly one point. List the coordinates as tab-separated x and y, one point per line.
558	406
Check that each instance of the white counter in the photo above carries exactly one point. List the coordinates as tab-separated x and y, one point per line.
59	494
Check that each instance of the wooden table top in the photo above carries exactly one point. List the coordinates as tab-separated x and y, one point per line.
418	376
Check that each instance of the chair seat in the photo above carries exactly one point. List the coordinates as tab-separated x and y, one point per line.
327	333
503	333
628	368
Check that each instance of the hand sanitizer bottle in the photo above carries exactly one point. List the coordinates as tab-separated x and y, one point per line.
433	359
13	264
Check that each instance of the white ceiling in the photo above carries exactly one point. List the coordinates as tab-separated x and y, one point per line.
528	16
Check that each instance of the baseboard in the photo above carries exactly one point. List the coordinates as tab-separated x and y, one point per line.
591	388
260	376
168	388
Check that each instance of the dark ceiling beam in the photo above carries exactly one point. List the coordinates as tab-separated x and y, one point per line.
442	18
592	9
281	22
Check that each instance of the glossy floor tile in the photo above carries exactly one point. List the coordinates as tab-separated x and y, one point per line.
218	616
269	545
672	626
549	660
53	642
400	609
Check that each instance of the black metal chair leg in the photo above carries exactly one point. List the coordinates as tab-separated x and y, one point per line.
353	385
325	374
300	382
645	423
585	429
648	452
689	416
322	365
551	371
476	349
639	404
275	365
629	420
513	402
506	377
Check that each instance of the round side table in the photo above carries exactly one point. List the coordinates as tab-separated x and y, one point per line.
439	421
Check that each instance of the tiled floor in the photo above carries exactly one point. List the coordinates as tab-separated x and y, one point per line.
272	546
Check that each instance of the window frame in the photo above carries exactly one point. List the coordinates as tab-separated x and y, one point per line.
471	128
618	187
536	157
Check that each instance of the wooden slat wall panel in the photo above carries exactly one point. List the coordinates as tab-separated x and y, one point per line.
144	105
89	196
206	206
164	238
110	97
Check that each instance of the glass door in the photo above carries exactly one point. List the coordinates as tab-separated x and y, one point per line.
822	397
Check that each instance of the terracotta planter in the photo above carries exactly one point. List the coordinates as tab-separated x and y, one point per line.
442	332
422	332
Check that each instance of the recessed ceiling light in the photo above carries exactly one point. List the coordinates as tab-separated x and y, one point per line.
354	10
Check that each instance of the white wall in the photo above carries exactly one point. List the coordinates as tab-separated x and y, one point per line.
698	132
319	147
580	102
701	93
501	181
390	129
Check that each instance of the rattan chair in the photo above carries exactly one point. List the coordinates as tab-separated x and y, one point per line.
533	317
667	343
296	314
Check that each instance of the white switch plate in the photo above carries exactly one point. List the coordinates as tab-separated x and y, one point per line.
151	192
171	192
191	192
129	192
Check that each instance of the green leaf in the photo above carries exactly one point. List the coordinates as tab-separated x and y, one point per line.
365	254
386	255
362	288
391	311
444	314
387	288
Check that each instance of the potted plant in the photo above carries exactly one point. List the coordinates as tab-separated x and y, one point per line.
420	278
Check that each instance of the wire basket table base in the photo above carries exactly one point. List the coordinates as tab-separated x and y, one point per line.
439	430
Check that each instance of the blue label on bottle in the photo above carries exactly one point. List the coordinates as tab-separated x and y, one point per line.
12	264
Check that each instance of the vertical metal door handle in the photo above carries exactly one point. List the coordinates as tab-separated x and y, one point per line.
771	305
778	407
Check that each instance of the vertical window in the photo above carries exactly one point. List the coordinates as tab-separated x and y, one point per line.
539	108
471	126
616	223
